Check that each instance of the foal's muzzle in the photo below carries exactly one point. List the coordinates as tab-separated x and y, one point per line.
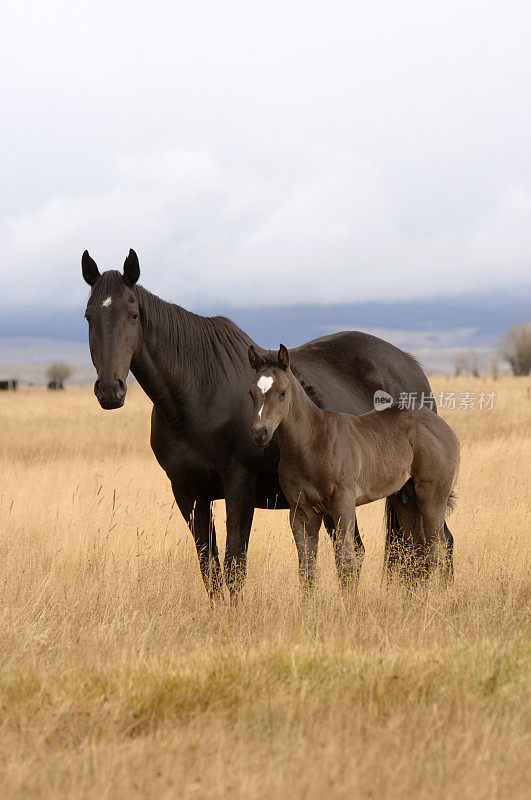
110	392
260	435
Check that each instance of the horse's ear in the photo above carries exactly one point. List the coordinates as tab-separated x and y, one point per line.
283	357
89	268
254	358
131	268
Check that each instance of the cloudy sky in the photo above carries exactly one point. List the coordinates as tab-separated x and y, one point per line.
253	154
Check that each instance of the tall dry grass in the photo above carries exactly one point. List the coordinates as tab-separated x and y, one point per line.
118	680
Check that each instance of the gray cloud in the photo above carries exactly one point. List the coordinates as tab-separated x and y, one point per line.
251	155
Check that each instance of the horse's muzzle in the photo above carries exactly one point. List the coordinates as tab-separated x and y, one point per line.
110	393
260	435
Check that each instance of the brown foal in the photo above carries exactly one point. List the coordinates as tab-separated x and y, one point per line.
332	462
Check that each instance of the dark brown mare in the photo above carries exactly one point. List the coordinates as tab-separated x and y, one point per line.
332	462
197	374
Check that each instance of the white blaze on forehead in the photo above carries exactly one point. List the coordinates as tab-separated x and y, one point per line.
265	383
107	302
260	412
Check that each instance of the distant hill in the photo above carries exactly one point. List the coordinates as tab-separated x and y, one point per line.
434	329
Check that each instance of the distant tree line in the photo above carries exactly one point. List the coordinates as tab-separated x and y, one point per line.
514	347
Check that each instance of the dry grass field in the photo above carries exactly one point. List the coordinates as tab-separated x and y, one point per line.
117	680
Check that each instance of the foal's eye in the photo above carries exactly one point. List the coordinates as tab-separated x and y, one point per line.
282	393
134	316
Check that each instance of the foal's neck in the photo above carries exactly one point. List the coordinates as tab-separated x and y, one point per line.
296	432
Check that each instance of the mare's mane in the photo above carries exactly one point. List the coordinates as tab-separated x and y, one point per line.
182	339
200	344
184	343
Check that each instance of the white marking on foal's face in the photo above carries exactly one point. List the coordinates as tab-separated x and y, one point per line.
107	302
265	383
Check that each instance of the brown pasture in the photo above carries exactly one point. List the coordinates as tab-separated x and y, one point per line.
117	680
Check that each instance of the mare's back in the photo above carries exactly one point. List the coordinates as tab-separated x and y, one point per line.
347	368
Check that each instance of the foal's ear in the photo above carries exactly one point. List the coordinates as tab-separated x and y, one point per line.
89	268
131	268
283	357
254	358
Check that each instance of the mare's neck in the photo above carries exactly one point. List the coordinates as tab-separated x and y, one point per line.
183	359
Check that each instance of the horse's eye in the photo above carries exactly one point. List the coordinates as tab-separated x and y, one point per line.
134	316
282	393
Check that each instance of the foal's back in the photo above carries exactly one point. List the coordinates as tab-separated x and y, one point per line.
398	443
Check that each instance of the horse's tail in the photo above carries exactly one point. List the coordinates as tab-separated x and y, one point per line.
392	526
451	502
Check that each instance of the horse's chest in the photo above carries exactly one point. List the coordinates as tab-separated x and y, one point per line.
315	485
185	446
206	447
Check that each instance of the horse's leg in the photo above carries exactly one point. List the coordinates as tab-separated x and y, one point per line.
305	527
200	520
393	538
439	542
358	544
402	519
404	532
433	551
349	551
239	490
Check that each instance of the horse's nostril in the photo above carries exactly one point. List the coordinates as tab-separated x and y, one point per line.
259	433
111	387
